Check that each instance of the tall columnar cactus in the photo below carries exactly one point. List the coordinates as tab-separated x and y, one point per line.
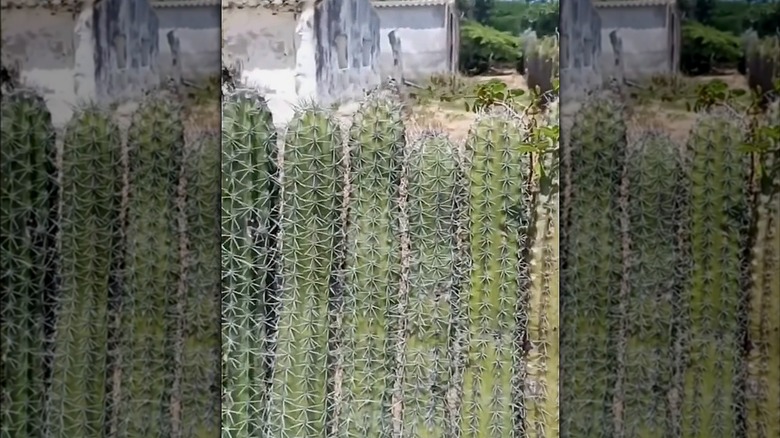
376	142
250	191
543	326
499	217
718	221
301	394
89	225
591	268
433	174
27	201
655	175
155	143
763	411
200	376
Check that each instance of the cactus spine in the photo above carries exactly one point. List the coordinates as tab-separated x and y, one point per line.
249	223
591	275
200	356
311	188
718	221
763	416
91	196
26	233
654	170
543	326
155	143
499	219
433	175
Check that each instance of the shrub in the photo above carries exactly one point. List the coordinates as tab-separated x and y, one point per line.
704	47
483	47
513	17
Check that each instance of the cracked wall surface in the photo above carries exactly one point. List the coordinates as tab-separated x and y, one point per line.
198	31
325	51
96	53
581	46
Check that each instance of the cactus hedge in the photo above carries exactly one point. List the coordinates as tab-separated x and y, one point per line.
404	279
106	332
675	336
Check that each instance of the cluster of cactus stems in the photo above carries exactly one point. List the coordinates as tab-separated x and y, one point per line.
96	339
26	232
668	329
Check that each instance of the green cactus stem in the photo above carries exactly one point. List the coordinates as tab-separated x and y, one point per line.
155	144
718	223
591	268
89	225
312	185
433	174
249	226
27	203
499	217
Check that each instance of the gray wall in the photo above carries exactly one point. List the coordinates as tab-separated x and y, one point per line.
126	47
581	48
353	24
198	31
646	48
423	36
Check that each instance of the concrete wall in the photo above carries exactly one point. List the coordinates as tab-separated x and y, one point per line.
581	48
126	47
327	52
646	48
423	37
198	30
103	53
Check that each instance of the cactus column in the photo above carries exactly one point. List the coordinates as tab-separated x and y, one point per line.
26	242
90	244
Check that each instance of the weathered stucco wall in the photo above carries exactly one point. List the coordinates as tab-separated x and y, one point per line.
328	51
645	40
423	35
126	46
101	53
198	31
41	44
581	46
347	49
263	44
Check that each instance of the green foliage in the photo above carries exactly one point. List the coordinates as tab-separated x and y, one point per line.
26	233
705	48
517	17
483	47
89	224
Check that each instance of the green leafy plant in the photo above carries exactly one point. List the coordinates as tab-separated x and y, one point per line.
704	48
483	47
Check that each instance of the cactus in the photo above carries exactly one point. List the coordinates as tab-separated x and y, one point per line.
27	203
91	196
718	219
376	142
300	398
249	264
543	326
155	143
433	175
763	411
591	268
200	355
499	217
654	169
